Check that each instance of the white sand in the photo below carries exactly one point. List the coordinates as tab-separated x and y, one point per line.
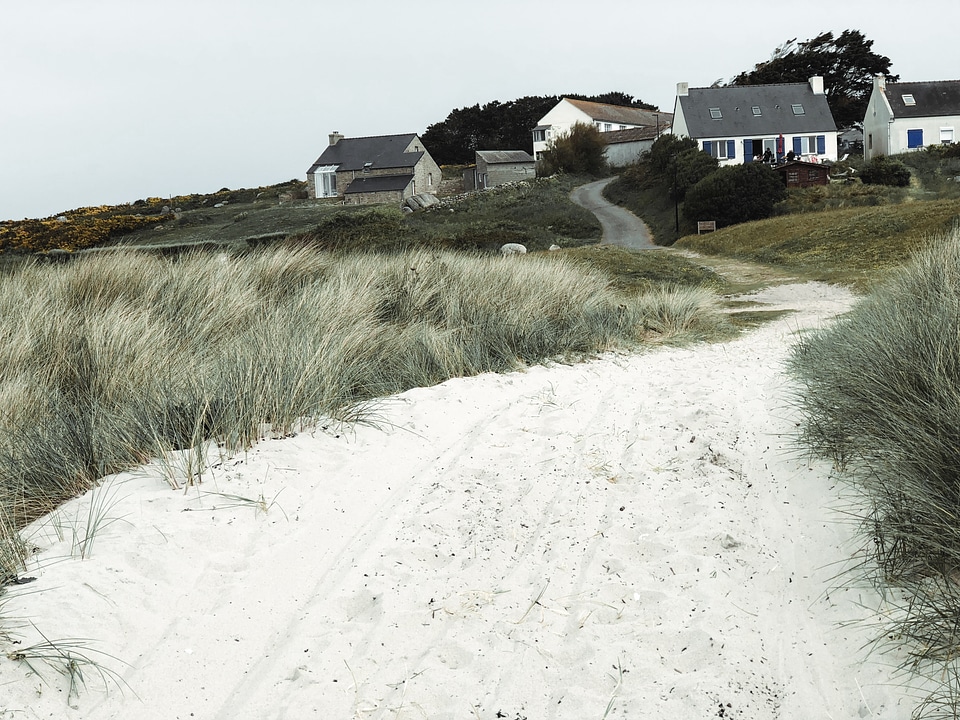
633	537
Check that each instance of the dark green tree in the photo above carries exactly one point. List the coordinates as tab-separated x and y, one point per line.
735	194
579	152
847	64
501	125
676	163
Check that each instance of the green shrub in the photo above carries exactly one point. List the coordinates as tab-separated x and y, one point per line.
367	229
578	152
735	194
883	170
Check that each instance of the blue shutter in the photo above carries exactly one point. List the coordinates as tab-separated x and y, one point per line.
914	138
797	147
821	144
706	147
748	151
731	149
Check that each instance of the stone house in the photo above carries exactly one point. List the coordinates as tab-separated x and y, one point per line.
497	167
738	124
906	116
366	170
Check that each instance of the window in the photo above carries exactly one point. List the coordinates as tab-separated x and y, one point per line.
908	99
607	127
720	149
793	176
915	138
797	109
946	135
623	127
813	174
756	110
715	113
539	135
430	179
325	179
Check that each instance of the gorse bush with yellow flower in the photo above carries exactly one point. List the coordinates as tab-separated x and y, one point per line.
80	229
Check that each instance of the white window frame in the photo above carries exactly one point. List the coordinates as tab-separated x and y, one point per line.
325	181
946	136
798	109
716	113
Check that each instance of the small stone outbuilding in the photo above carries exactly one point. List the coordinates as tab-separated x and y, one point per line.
497	167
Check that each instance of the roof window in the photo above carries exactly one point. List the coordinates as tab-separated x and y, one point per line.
909	99
797	109
715	113
756	110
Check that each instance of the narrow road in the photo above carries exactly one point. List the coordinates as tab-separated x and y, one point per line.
620	227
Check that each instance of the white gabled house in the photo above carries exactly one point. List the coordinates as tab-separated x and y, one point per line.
906	116
740	123
606	118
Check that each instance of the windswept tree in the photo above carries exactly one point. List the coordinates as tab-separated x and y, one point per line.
847	64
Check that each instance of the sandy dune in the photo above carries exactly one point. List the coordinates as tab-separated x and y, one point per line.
631	537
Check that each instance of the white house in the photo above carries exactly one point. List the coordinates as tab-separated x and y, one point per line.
738	124
607	118
908	116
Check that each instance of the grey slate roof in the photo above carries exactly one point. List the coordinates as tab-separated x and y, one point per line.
378	183
383	151
736	107
933	99
494	157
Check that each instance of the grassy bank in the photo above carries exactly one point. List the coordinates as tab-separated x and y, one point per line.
880	393
850	245
116	358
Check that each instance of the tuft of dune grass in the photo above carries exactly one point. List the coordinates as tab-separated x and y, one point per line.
115	358
880	395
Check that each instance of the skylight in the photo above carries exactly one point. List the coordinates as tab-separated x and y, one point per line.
756	110
715	113
798	109
908	99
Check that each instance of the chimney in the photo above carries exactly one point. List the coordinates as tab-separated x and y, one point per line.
816	84
335	137
880	82
683	89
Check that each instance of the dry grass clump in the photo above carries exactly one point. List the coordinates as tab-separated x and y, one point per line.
115	358
880	391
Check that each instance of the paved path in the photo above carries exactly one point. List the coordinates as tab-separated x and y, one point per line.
620	227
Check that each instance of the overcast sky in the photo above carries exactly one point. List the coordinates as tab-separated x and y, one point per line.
109	101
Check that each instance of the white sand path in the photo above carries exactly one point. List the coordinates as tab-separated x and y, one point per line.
631	537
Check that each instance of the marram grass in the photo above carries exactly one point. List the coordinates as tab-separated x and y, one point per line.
118	357
880	394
